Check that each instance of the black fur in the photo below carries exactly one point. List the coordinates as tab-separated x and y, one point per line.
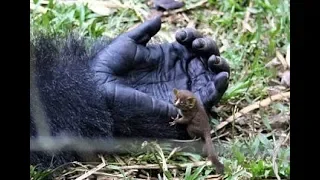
67	91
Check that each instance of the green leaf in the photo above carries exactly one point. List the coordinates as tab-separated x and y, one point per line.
263	139
207	172
242	173
267	173
239	156
255	146
168	174
192	155
188	171
197	172
266	122
82	15
254	10
114	167
238	88
51	4
39	174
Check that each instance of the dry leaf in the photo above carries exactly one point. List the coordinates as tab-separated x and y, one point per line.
285	79
248	27
288	56
273	90
273	63
242	121
214	177
245	25
191	24
103	8
282	60
225	45
280	121
250	108
107	178
39	8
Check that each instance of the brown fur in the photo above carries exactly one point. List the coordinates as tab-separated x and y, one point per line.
194	115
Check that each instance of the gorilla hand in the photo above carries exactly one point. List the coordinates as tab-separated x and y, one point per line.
133	74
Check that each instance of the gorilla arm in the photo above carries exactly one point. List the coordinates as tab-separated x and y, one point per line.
103	91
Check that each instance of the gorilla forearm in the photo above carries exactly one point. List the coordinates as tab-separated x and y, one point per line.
66	88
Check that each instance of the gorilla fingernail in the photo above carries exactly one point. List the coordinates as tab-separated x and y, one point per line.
217	60
181	35
199	43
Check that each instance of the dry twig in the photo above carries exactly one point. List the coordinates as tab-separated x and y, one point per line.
90	172
245	25
194	140
275	154
252	107
99	173
156	166
282	60
288	56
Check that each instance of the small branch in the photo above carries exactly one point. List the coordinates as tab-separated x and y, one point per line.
252	107
130	172
99	173
245	25
156	166
89	173
214	177
288	56
172	152
275	154
135	167
194	140
136	10
282	60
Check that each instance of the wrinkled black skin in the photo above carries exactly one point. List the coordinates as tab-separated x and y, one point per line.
123	88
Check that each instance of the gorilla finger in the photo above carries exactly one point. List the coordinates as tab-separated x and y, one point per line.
139	102
187	36
143	33
205	47
208	95
221	82
218	64
212	93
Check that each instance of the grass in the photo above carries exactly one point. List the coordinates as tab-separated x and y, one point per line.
249	151
38	175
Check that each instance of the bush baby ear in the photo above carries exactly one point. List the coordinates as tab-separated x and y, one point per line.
175	91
